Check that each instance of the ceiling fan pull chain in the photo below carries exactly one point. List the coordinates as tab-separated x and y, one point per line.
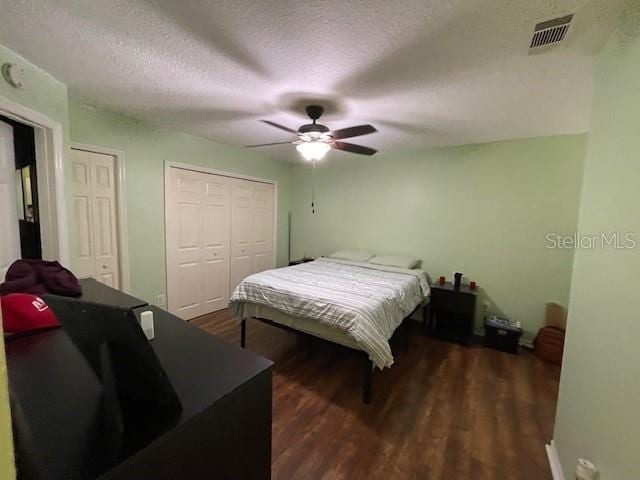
313	188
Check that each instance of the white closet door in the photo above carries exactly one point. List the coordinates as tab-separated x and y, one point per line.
262	226
105	238
10	238
216	237
241	231
94	207
84	264
219	231
198	218
184	242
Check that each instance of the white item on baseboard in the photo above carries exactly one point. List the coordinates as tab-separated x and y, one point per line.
585	470
554	461
146	322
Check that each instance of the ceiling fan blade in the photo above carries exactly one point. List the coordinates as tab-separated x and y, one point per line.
353	148
281	127
353	131
265	144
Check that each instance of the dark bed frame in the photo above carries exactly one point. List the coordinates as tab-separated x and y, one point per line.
367	386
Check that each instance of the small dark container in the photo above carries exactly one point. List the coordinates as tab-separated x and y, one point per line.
457	280
501	334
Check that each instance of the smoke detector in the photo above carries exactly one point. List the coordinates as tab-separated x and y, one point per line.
549	34
13	74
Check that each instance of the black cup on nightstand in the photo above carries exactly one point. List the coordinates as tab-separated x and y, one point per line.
457	280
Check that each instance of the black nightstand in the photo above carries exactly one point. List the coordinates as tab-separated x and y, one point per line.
452	311
301	260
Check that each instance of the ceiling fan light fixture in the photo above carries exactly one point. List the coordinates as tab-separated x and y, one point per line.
313	151
314	140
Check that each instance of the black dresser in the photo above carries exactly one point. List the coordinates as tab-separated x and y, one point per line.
224	430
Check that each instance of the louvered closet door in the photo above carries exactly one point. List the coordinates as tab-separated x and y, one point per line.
198	225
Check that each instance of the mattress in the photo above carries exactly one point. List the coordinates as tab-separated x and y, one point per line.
358	305
305	325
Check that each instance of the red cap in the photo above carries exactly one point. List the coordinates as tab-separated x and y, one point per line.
22	312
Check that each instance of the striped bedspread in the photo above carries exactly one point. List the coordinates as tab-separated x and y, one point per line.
367	302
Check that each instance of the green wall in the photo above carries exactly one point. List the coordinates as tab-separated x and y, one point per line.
146	149
598	413
482	209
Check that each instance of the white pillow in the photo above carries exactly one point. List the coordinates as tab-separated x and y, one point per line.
352	255
400	261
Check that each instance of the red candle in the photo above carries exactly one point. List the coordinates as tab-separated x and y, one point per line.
442	280
472	285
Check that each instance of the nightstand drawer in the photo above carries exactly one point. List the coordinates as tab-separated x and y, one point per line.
452	301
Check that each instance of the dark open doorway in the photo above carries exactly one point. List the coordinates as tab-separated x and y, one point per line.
26	188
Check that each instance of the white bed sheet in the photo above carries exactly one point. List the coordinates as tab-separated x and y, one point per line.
363	302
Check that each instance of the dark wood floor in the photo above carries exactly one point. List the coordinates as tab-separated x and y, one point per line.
443	411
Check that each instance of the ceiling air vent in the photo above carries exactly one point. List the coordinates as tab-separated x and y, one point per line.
550	33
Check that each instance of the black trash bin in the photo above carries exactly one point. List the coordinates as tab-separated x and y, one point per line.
502	334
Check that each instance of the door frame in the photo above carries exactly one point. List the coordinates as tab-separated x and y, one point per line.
122	228
196	168
52	205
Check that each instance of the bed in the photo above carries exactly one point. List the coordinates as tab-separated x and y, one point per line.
355	304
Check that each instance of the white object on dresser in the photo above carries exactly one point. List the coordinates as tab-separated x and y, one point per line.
146	322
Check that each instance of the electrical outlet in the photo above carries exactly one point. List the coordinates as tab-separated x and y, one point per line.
161	300
487	305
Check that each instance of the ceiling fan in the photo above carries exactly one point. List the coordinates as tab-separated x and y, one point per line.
315	140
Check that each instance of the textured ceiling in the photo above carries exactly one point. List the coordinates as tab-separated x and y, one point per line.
425	72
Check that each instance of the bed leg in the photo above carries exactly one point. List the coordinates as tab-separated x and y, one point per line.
425	317
243	332
309	346
368	380
405	335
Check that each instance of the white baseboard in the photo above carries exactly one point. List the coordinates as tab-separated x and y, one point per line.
554	461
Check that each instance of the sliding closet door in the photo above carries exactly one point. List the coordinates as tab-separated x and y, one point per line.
197	223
